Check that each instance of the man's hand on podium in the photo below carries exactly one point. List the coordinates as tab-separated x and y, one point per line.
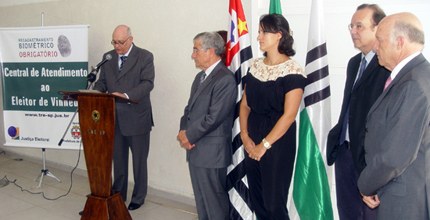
122	95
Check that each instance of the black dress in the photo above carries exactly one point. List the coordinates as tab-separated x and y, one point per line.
269	179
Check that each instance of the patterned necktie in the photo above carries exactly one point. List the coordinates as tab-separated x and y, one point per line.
202	78
123	59
388	82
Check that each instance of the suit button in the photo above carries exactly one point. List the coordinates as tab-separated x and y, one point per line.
188	118
365	130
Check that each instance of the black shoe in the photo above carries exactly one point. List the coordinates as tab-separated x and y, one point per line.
81	212
133	206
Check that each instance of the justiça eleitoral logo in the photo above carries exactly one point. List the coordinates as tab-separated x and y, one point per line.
13	132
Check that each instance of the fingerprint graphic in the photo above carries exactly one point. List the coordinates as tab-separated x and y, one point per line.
64	46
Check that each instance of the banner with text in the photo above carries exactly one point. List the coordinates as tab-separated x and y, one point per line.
36	63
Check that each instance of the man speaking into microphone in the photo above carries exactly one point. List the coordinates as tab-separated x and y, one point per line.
129	74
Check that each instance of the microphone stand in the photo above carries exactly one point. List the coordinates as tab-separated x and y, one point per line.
45	172
91	78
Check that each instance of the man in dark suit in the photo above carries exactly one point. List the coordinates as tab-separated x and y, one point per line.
397	144
129	74
205	127
364	83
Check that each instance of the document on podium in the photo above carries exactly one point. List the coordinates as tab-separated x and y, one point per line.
89	91
69	95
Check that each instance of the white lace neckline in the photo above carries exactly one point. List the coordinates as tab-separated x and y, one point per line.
264	72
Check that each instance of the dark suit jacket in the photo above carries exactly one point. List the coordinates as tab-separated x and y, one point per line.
137	80
397	145
360	98
208	118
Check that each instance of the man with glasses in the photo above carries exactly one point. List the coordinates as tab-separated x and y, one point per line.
365	81
205	127
129	74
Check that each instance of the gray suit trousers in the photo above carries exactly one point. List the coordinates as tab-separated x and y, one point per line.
139	146
209	186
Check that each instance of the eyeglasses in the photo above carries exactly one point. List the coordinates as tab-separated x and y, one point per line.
195	50
121	43
357	26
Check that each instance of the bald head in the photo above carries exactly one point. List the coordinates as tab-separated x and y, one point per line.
122	29
409	26
398	36
122	39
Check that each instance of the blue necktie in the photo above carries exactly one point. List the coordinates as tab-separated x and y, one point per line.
361	70
123	59
342	137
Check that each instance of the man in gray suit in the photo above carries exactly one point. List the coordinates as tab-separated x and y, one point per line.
129	74
205	128
397	175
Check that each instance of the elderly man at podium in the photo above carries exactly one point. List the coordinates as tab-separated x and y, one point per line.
129	74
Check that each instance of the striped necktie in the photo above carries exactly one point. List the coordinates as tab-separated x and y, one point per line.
123	59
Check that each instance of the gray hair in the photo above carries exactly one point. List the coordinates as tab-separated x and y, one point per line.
129	31
408	30
211	40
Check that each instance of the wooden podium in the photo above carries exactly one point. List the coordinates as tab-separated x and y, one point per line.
97	124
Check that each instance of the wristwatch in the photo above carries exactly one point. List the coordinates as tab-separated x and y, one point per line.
266	144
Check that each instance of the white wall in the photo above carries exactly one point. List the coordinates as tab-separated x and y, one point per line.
166	28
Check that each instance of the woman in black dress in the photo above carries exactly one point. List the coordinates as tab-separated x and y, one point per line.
270	103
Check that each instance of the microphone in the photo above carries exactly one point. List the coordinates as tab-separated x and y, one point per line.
107	58
91	77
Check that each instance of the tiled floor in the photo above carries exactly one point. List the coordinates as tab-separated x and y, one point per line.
16	204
